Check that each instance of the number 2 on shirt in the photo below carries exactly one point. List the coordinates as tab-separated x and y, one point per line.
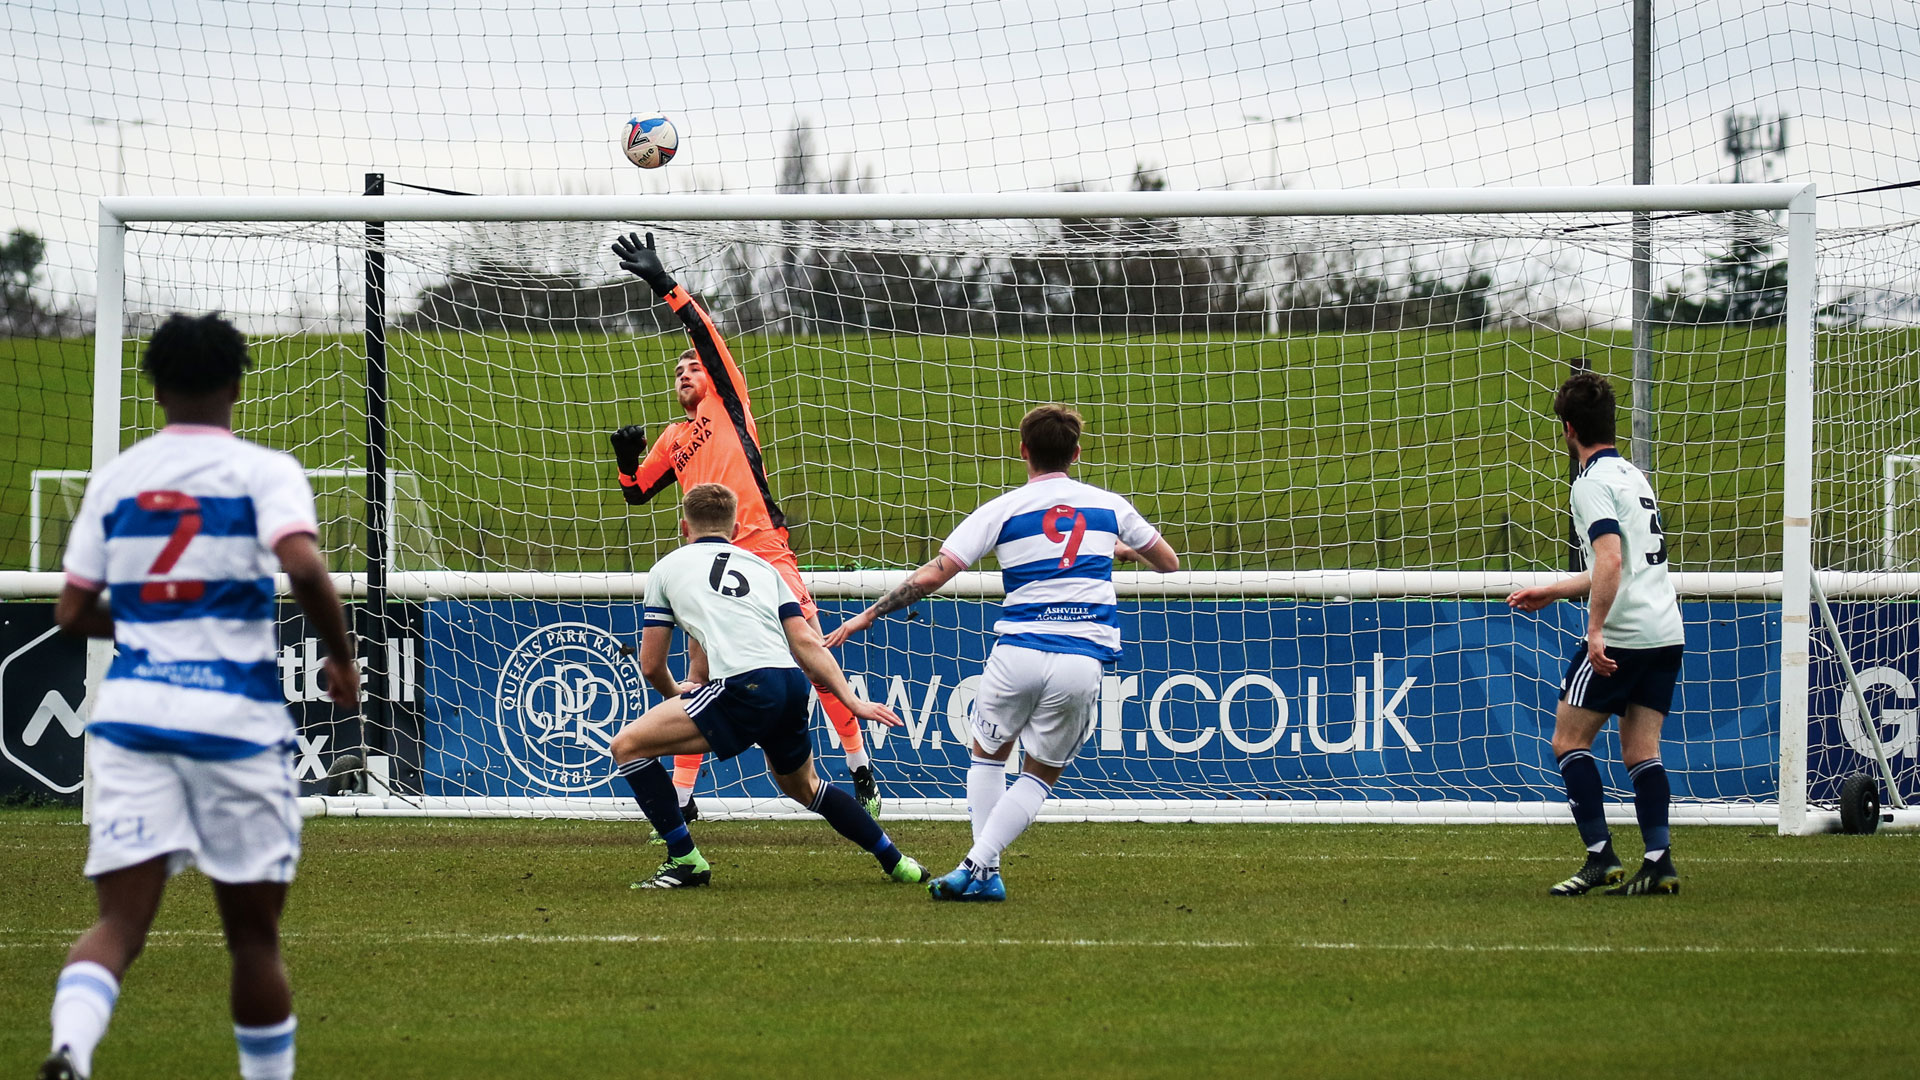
1050	527
185	528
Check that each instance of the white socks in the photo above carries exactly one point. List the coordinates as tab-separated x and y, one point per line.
857	759
82	1004
986	782
1017	809
266	1052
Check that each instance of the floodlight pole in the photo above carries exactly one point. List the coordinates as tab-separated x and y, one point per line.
1642	236
119	126
374	718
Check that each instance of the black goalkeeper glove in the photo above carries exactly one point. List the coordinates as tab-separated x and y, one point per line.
639	260
628	444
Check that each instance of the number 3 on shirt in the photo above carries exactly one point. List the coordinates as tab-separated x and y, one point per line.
1657	555
185	528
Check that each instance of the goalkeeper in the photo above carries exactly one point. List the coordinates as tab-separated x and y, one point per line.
718	444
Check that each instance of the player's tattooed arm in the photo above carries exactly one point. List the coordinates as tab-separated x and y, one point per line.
920	584
909	593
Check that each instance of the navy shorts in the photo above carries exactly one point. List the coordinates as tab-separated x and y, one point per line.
765	707
1645	677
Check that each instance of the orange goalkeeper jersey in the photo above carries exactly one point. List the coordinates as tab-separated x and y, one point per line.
718	445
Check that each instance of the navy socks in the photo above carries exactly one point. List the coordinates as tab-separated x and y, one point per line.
850	820
1652	795
1582	777
653	790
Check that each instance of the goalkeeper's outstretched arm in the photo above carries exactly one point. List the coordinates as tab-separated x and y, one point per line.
639	258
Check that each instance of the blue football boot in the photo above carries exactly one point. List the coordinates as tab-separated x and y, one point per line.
961	884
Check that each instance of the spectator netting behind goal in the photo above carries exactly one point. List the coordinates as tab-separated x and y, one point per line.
1342	424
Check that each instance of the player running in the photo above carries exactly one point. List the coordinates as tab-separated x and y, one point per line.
192	749
718	444
1056	540
748	622
1630	658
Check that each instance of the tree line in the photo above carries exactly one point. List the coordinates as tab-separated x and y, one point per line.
23	313
1083	277
1077	276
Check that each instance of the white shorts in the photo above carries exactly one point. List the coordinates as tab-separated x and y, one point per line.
1047	700
238	821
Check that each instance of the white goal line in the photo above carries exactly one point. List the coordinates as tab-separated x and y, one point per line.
1166	811
1335	585
1162	811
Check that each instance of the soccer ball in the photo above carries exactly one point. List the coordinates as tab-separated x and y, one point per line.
650	142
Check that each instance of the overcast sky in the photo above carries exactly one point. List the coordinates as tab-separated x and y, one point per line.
304	96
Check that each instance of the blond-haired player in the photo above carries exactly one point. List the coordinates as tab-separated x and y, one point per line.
757	644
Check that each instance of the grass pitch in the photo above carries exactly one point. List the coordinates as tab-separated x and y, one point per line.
1308	451
1406	449
515	949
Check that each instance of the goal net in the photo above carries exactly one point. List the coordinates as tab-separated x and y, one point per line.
339	499
1335	405
1867	518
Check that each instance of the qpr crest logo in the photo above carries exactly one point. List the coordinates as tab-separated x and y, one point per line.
565	690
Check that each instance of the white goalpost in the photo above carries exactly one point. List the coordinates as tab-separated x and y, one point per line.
1336	403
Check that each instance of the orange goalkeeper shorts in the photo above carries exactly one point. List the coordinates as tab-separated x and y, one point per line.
781	556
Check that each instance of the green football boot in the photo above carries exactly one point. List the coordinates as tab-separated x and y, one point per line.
908	871
684	872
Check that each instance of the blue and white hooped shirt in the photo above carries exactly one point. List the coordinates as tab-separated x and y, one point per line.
1054	539
179	531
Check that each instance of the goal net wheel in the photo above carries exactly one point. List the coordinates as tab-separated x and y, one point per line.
347	775
1860	804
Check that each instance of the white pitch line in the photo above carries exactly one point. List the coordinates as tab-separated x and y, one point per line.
197	937
317	854
1329	857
